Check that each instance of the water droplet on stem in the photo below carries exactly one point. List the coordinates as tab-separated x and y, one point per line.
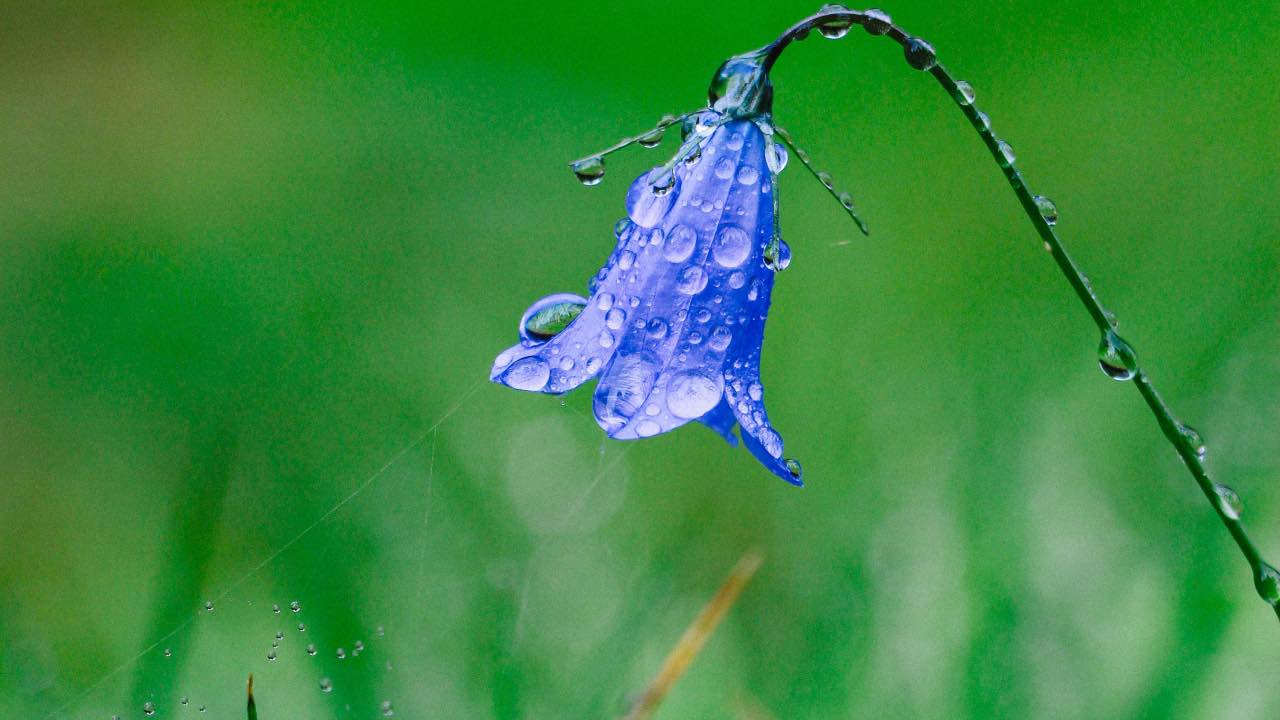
1116	357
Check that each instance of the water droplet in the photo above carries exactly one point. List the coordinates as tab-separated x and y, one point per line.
184	700
1007	158
691	280
647	428
645	205
342	653
824	177
326	685
846	200
529	373
770	441
1116	357
985	120
737	280
168	652
589	171
1048	210
835	28
657	329
622	391
705	122
748	175
1267	582
775	157
691	394
311	649
663	186
703	315
271	656
358	647
295	606
379	631
302	627
692	158
964	93
604	301
149	708
680	244
651	139
208	606
720	338
605	339
876	21
202	708
777	255
614	318
275	608
1194	440
793	467
279	634
387	709
732	247
548	316
920	54
724	168
1229	501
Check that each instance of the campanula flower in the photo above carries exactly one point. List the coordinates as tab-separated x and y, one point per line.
674	324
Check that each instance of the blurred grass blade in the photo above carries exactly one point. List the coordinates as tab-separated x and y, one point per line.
252	707
686	650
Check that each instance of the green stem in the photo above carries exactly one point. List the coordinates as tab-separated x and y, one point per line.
1265	576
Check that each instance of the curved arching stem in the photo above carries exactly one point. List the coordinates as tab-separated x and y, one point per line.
1186	443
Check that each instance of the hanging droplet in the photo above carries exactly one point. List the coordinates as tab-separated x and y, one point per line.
645	206
1267	582
920	54
1116	357
358	647
824	177
1229	501
149	708
964	93
793	467
1194	440
1048	210
777	254
208	606
664	184
184	700
271	656
651	139
168	652
590	171
326	685
295	606
341	653
311	649
1007	158
776	157
985	120
202	708
302	627
275	608
876	21
835	28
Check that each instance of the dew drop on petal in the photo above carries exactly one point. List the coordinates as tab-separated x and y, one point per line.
589	171
691	280
732	246
679	246
622	390
720	338
649	198
748	175
647	428
604	301
615	318
692	393
530	373
724	168
657	328
737	280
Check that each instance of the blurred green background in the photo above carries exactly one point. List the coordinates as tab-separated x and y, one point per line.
256	260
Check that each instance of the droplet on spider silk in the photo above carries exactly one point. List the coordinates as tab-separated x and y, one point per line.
387	709
341	653
651	139
326	685
311	649
184	700
1194	440
964	93
1048	210
358	647
920	54
645	206
168	652
876	21
824	177
279	634
148	708
528	373
548	316
295	606
202	708
1007	158
1267	583
271	656
985	120
275	608
1229	501
835	28
208	606
302	627
1116	357
589	171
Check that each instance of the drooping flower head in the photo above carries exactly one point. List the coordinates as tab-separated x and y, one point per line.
674	324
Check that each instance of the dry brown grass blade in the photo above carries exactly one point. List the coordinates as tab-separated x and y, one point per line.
691	642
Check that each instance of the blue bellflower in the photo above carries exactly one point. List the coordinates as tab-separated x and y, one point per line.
674	323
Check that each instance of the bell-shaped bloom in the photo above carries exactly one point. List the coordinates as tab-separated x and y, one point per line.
675	320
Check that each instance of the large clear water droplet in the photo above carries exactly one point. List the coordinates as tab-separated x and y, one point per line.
623	390
732	246
1229	501
964	93
529	373
920	54
680	244
692	394
691	280
775	157
1267	582
549	316
1194	440
589	171
835	28
295	606
777	254
651	139
1048	210
877	22
1007	158
1116	357
646	205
